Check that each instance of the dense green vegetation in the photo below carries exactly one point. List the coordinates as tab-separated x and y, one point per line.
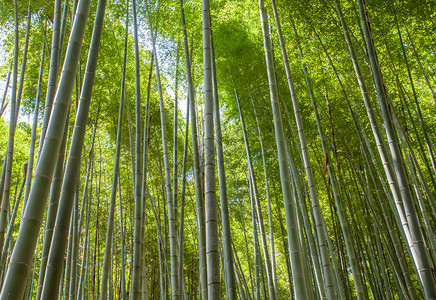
218	149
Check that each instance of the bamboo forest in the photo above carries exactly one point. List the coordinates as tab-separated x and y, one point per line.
226	149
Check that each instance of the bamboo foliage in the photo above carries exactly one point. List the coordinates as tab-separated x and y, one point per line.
349	186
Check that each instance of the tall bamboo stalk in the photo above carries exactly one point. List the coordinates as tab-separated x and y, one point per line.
11	137
197	175
212	255
182	200
270	216
225	220
19	268
112	203
72	169
123	291
299	277
5	93
53	72
137	248
381	146
147	120
318	217
55	191
87	200
23	62
35	123
175	292
422	259
7	243
255	194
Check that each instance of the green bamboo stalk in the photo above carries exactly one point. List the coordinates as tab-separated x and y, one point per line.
175	292
136	276
10	228
339	201
182	198
68	261
299	277
271	231
11	137
30	290
3	175
383	267
83	209
52	74
115	175
147	120
418	108
72	169
393	238
165	237
63	29
381	146
123	261
421	151
71	289
212	255
55	191
313	289
35	123
239	282
367	257
393	184
247	252
421	259
271	289
162	255
257	260
243	288
304	213
96	235
112	203
318	218
413	169
5	93
430	87
225	221
111	269
175	135
131	144
23	62
85	248
196	157
19	268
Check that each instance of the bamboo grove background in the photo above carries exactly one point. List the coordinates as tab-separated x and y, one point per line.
232	149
